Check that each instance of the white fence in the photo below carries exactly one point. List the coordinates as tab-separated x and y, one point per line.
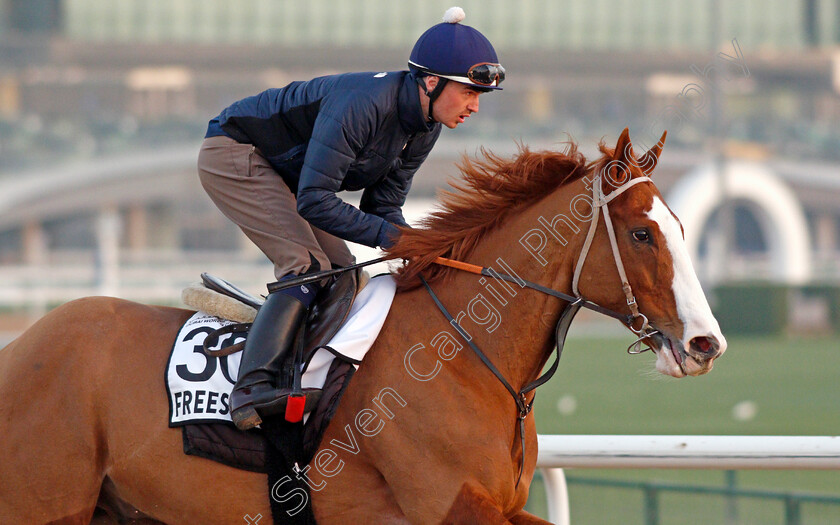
688	452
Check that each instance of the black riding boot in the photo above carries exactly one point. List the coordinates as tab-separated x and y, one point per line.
269	340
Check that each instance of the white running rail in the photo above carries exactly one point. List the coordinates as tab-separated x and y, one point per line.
689	452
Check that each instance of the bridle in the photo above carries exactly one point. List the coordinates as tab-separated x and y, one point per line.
575	303
601	201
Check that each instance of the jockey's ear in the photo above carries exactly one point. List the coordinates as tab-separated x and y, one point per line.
648	161
431	82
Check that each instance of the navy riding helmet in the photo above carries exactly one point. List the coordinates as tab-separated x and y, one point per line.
453	51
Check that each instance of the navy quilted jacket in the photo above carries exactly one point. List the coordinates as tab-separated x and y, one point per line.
354	131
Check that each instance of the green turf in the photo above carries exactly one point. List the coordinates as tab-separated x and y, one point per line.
794	384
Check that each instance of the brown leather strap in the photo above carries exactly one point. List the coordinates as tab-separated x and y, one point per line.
213	338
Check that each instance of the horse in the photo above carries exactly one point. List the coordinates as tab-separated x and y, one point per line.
424	432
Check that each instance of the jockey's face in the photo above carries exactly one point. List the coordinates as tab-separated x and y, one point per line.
455	103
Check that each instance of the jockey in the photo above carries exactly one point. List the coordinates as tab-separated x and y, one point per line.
274	162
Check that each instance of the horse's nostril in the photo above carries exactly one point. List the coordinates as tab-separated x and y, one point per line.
705	345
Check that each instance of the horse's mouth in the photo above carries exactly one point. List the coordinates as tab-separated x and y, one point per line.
673	360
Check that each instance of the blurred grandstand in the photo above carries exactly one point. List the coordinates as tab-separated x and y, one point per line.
103	107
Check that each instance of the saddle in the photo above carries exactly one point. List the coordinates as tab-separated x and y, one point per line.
278	447
327	314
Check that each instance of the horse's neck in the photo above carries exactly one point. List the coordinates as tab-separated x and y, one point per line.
514	326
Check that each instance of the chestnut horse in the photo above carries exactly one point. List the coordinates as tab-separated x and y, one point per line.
424	433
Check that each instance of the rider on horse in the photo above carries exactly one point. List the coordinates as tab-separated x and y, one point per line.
274	162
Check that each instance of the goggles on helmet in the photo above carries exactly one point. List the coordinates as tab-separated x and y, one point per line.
482	75
486	74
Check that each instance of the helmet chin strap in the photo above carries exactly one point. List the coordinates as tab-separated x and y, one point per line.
433	94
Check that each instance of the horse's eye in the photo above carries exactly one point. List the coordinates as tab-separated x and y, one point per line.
641	235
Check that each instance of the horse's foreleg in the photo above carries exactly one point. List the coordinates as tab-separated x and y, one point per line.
474	506
526	518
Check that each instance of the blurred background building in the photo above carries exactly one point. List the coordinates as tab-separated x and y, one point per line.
103	106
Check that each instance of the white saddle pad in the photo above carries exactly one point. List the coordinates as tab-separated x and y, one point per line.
199	386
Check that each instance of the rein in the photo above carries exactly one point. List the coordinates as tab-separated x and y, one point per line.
520	397
627	319
575	303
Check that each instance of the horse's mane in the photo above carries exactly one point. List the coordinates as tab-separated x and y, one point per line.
491	189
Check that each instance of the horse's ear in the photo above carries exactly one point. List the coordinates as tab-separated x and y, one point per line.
623	149
618	169
648	161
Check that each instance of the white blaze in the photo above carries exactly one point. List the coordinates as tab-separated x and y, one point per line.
692	307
